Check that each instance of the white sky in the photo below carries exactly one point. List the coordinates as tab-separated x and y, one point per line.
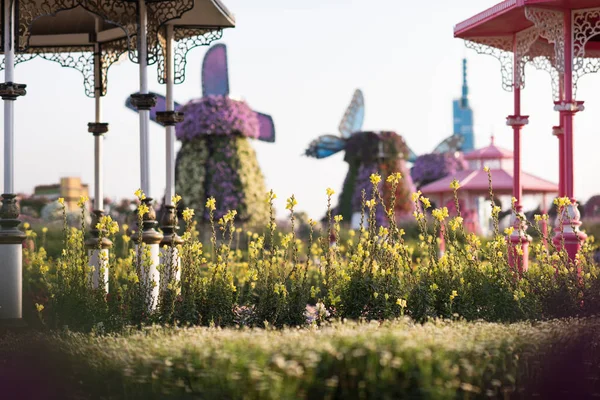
301	64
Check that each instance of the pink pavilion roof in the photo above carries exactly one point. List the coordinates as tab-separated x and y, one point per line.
508	17
476	182
491	152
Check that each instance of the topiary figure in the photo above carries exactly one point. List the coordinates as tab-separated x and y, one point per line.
366	153
216	158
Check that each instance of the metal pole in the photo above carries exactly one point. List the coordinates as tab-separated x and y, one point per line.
144	114
9	76
568	116
11	238
98	179
170	129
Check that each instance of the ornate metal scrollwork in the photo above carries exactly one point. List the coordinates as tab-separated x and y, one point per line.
110	53
586	25
551	27
185	40
500	48
542	57
159	13
80	58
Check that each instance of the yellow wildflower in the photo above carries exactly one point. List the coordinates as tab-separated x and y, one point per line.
211	204
291	202
394	178
44	229
61	201
330	192
39	307
140	194
454	184
425	202
175	199
143	209
486	168
375	179
370	203
509	231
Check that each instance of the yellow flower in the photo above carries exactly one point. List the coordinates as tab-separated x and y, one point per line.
375	179
291	202
271	196
486	168
330	192
370	203
211	204
537	217
394	178
44	229
125	227
415	196
143	209
338	218
425	202
39	307
453	295
496	210
401	302
514	201
61	201
188	214
175	199
26	225
375	294
140	194
82	201
454	184
509	231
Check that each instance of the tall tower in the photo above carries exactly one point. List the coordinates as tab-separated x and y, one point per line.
463	115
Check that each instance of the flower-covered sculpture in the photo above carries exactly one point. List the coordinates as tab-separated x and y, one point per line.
216	158
433	166
367	153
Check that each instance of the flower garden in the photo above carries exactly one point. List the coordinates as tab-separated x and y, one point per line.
291	311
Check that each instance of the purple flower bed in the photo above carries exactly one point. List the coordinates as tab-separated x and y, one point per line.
431	167
217	115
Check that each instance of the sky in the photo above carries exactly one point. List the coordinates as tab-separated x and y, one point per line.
301	64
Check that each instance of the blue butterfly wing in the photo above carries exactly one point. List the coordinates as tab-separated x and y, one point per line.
354	116
161	105
266	128
325	146
450	144
215	75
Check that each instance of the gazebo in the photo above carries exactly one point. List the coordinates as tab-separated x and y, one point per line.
561	37
474	182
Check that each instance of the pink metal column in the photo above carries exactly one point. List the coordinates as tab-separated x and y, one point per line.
568	221
518	254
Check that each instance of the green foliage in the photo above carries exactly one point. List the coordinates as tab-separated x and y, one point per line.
280	280
393	360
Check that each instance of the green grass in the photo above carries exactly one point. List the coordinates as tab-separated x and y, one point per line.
393	360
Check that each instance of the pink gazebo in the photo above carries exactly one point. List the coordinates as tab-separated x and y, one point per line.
563	38
474	182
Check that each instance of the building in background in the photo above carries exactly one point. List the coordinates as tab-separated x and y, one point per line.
463	115
69	188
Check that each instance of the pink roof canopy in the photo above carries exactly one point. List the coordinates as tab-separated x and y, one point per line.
491	152
476	181
508	17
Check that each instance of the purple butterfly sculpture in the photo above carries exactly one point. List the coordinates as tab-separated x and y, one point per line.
215	86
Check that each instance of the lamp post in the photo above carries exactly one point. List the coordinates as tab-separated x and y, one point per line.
11	238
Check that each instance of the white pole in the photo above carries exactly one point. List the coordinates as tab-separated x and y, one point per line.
144	114
9	76
170	137
11	257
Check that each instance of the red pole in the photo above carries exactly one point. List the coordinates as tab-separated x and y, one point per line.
568	114
568	221
518	255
